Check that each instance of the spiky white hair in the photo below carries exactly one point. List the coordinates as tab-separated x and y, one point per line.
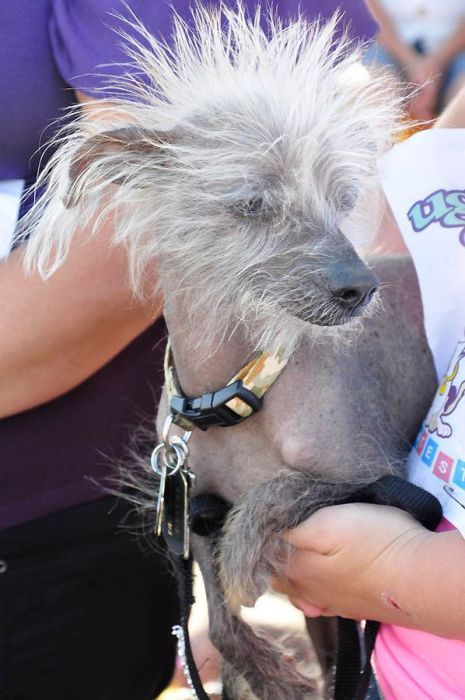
227	116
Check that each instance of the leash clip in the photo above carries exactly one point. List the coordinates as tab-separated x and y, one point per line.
212	410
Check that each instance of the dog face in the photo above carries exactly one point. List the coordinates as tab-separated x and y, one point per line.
264	199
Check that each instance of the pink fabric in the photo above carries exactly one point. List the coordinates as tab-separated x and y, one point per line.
414	665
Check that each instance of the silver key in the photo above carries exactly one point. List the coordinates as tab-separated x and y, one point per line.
186	538
160	502
160	467
166	462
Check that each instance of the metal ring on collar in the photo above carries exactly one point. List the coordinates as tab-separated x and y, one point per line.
165	434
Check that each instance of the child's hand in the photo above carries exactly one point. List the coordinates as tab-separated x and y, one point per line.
349	559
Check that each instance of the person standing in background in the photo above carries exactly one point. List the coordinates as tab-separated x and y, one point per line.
423	41
85	610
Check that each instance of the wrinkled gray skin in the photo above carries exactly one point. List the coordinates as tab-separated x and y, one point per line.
341	414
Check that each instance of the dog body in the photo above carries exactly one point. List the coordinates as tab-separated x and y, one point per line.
340	416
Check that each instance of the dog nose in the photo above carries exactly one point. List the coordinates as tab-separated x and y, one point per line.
353	288
354	297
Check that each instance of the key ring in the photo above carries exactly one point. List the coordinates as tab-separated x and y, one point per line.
161	458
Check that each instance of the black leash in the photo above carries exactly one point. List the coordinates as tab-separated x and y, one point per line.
353	670
186	599
207	516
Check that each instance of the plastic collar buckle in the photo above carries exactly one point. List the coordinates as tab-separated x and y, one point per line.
210	410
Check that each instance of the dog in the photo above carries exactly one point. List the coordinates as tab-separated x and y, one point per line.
244	165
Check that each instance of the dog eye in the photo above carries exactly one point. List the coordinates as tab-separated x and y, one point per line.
347	200
253	207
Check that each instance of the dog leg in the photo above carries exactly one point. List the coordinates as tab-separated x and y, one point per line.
254	668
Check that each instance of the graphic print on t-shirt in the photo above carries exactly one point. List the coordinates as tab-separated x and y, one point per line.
424	183
438	460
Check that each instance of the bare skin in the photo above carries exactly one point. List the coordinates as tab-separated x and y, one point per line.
359	561
454	116
60	331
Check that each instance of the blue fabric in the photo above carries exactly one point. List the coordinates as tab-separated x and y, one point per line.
378	54
373	692
456	70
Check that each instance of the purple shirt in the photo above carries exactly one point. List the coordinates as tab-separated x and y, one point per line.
47	48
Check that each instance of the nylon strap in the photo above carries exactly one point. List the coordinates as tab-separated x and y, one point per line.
258	375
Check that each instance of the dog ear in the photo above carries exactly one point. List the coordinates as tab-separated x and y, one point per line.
113	152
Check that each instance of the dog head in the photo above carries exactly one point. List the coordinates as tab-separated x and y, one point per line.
236	162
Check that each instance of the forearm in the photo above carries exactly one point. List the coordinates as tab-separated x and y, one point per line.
422	586
58	332
388	37
449	49
454	116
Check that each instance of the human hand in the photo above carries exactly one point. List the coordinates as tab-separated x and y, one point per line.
423	105
350	560
425	72
421	70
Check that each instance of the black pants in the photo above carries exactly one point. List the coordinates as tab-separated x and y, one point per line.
85	611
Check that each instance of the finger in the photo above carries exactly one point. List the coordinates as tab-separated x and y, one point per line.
310	533
302	568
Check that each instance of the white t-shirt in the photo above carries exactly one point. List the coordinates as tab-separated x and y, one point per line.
432	21
423	179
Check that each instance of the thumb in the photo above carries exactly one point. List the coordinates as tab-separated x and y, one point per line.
312	533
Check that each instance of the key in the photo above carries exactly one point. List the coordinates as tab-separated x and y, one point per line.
176	513
160	502
160	467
